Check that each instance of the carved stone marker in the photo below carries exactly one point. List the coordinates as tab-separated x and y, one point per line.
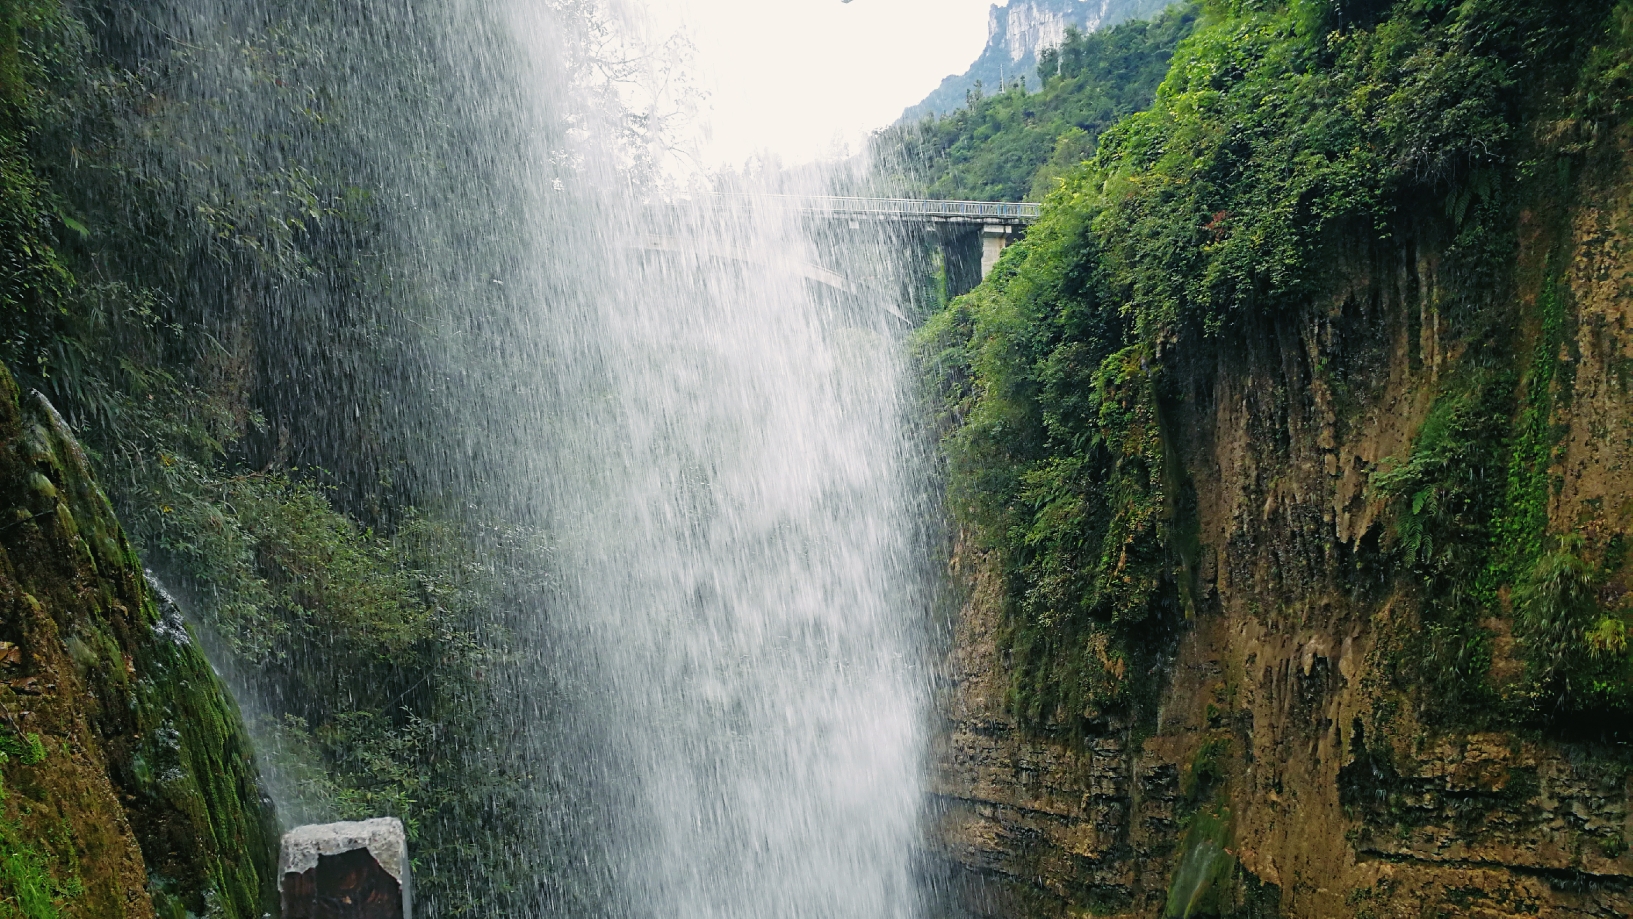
345	871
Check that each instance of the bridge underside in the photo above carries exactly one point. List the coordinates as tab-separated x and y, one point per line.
969	235
968	253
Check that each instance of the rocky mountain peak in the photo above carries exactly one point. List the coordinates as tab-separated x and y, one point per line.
1017	33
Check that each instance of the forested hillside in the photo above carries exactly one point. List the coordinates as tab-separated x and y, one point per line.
1013	145
1018	34
1300	419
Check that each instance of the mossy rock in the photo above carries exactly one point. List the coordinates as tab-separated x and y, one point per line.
131	788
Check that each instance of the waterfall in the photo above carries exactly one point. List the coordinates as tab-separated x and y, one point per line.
740	594
741	579
735	506
710	705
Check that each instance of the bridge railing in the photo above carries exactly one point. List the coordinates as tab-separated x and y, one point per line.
921	208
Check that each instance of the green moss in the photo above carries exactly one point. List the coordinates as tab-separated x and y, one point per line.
1612	845
195	758
1204	773
1521	526
176	752
36	877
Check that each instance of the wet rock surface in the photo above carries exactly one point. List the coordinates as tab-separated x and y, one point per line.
1343	798
131	790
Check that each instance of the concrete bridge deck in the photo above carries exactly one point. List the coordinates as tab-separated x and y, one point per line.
925	210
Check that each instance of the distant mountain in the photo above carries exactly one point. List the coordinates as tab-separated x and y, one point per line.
1015	35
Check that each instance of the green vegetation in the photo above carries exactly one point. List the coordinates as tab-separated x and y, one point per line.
34	882
1445	507
1286	136
1201	777
1056	454
1204	871
129	715
29	749
1208	879
35	877
1472	522
1015	145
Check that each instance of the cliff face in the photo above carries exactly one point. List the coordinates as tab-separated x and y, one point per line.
1017	33
1297	764
130	790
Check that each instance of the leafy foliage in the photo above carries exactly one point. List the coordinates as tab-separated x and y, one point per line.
1556	604
1056	458
1472	521
1447	500
1270	142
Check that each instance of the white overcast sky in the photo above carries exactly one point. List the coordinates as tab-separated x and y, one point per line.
803	79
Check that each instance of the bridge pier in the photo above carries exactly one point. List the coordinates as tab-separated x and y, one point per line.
993	241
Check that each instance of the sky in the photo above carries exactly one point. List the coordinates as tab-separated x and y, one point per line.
807	79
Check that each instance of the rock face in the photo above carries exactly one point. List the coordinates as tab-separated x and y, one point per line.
353	870
1344	799
1016	33
130	789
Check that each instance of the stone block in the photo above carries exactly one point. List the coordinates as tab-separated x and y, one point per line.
355	870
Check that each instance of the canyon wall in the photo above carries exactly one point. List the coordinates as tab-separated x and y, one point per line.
1298	762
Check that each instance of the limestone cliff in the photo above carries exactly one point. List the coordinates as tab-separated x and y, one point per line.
129	785
1336	787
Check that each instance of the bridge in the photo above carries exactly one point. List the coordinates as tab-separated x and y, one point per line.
971	234
926	210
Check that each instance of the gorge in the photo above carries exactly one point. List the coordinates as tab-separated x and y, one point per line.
1251	542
